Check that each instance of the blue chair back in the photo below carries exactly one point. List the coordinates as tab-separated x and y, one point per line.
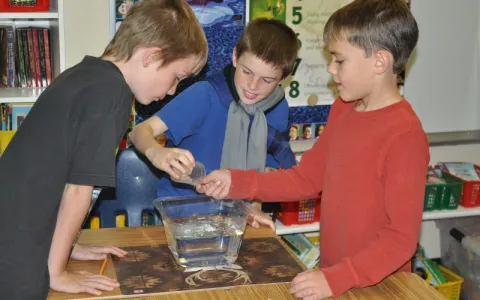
137	183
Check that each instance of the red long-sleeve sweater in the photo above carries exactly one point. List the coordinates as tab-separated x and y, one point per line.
370	167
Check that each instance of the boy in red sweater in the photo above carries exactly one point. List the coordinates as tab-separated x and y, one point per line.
370	163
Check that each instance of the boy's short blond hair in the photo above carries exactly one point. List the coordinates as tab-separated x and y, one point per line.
272	41
169	25
373	25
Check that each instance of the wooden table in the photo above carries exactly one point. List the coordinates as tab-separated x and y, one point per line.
402	286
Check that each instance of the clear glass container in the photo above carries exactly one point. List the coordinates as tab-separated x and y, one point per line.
202	231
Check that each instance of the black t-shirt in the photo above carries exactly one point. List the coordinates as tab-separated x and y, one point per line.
69	136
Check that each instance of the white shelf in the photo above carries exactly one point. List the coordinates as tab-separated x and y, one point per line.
28	15
448	214
18	95
282	229
427	216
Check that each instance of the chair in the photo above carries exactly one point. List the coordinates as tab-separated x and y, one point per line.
137	182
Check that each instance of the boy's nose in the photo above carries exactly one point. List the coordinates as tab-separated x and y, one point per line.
331	68
252	85
172	90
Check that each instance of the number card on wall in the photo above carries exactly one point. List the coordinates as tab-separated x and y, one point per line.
311	84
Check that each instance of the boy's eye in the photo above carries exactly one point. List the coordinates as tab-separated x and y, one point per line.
339	62
246	72
267	81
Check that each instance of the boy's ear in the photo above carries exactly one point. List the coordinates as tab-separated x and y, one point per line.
234	57
151	55
383	60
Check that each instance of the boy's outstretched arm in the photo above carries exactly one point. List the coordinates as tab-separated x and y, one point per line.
406	165
303	181
166	159
74	205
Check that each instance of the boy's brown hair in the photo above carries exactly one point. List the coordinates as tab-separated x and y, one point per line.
270	40
373	25
169	25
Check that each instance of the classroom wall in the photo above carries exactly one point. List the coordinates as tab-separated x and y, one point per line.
87	28
442	77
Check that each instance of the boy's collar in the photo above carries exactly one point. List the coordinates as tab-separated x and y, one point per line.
229	73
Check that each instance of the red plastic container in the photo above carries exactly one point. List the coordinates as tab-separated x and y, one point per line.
9	6
301	212
470	191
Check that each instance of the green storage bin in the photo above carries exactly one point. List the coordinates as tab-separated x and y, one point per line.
433	195
443	196
452	192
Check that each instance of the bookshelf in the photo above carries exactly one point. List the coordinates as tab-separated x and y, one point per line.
53	20
77	28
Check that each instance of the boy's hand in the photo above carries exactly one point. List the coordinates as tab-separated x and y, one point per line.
176	162
310	285
82	282
258	217
216	184
86	252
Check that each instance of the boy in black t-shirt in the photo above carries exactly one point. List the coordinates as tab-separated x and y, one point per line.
67	145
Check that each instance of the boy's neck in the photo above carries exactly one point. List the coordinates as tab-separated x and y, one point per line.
383	95
121	65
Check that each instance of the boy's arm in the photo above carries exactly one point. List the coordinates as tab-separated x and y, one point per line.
303	181
406	166
73	208
178	119
72	211
166	159
92	163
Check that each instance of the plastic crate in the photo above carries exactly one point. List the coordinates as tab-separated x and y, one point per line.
451	290
443	196
470	196
24	6
301	212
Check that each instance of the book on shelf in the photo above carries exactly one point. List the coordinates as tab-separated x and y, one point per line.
26	59
13	114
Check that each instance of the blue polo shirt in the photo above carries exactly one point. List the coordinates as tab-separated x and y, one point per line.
196	121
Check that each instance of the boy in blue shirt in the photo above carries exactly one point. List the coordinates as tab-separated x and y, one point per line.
230	119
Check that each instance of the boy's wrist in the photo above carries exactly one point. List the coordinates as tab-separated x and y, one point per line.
150	151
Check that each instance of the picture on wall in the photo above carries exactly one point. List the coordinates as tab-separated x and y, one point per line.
307	131
121	10
270	9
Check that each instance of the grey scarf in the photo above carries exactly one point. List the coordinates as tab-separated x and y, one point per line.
242	150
